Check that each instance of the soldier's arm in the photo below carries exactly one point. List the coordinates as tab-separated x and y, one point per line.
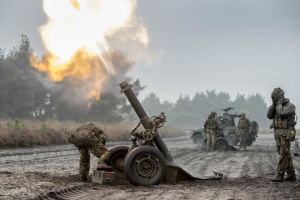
205	124
285	111
271	112
272	125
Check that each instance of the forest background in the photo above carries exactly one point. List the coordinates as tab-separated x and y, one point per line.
28	94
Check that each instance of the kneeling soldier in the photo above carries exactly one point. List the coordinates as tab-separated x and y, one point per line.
90	138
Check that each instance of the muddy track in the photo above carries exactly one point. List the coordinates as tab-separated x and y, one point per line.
52	173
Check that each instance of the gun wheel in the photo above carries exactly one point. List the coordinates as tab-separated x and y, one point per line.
145	165
116	161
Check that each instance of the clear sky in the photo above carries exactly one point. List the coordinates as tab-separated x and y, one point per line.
235	46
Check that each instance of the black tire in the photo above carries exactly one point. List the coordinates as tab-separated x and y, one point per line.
249	140
254	127
116	161
197	139
203	144
145	165
232	139
220	144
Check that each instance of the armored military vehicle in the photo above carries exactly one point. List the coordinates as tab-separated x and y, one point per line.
229	129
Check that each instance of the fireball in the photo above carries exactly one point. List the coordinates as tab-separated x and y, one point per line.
76	38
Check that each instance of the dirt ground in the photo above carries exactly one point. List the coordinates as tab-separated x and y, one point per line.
51	171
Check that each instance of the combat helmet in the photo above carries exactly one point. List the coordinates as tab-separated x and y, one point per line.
277	93
213	113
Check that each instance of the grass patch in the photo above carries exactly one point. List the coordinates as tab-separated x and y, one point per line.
34	133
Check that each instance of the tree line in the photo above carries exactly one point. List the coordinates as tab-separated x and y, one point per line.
192	112
26	93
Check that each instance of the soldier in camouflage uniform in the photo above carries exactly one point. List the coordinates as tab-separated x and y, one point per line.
244	128
282	111
210	127
90	138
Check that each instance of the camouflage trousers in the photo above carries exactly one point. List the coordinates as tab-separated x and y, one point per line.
99	150
285	159
211	136
243	135
276	140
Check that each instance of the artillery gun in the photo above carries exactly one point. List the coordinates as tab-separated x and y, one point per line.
148	161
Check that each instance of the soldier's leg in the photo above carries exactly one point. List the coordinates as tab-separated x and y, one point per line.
100	151
276	140
242	139
208	145
288	162
84	165
282	164
244	143
213	137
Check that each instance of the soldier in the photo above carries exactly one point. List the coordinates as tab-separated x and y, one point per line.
282	111
90	138
244	128
210	127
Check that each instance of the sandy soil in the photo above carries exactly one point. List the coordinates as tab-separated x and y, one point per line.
28	173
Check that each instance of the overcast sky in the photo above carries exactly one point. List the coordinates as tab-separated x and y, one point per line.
235	46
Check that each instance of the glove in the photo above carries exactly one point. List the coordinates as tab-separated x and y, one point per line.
280	100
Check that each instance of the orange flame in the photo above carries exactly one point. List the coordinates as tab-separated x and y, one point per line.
81	67
76	39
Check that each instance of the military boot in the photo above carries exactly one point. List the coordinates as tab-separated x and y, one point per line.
104	167
278	178
291	177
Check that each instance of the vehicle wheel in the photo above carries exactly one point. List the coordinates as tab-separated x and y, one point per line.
249	140
197	139
254	127
232	139
203	144
145	165
220	144
116	161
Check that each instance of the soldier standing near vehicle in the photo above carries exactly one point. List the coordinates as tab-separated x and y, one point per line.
282	111
210	127
90	138
244	128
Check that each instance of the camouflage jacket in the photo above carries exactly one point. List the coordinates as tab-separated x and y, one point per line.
244	123
283	115
88	133
211	123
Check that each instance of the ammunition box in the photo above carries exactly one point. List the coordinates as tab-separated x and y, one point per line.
102	177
